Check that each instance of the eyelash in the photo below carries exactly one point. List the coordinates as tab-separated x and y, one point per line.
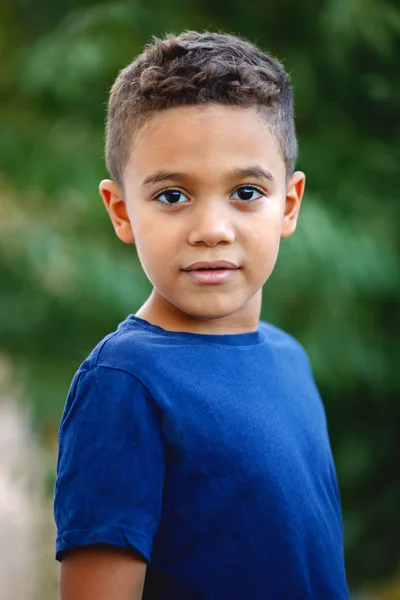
244	202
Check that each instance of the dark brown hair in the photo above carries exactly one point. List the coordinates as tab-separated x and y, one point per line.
193	69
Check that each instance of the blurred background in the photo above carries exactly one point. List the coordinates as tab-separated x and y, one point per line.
66	281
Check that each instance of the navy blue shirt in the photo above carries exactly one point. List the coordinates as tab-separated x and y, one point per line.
210	456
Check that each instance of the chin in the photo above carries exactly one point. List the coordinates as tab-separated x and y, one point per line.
210	312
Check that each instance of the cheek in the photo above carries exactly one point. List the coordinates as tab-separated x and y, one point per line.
156	244
264	234
262	247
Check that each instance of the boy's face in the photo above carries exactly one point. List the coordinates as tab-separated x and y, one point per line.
205	185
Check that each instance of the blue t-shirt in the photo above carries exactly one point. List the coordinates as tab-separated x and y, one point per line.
210	456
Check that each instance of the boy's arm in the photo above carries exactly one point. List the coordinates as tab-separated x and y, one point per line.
110	477
102	572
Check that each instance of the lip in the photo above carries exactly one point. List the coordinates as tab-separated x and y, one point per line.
212	272
212	265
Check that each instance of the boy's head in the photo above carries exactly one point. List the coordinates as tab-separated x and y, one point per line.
201	145
196	69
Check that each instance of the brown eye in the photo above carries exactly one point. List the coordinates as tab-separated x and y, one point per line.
247	193
172	197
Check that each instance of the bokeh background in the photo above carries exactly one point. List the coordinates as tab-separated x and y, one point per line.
66	281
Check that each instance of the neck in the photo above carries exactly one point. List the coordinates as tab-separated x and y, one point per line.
158	311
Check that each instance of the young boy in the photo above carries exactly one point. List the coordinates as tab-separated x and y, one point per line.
194	459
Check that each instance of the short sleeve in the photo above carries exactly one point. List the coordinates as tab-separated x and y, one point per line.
111	466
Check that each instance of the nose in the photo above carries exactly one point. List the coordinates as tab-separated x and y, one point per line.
211	226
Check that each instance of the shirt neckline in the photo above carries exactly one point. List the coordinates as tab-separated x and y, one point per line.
228	339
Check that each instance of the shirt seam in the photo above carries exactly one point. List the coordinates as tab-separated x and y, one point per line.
63	533
121	370
149	395
148	327
62	537
102	344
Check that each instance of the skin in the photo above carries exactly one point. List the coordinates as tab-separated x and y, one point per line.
102	572
206	146
203	150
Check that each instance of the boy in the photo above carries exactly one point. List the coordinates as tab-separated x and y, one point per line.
194	459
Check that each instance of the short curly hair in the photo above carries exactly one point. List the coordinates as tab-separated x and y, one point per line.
196	69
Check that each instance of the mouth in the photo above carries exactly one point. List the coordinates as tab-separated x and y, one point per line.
217	265
215	272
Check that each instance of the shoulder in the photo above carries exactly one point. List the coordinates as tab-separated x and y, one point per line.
285	344
279	337
105	396
129	349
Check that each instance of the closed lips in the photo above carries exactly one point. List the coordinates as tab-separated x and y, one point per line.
211	266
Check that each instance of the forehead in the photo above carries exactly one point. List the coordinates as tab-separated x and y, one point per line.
204	142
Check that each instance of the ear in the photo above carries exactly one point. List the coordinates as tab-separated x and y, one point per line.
294	194
116	208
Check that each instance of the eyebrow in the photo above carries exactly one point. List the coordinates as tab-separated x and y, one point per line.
162	176
253	171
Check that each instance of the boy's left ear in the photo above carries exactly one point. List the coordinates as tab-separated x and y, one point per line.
294	195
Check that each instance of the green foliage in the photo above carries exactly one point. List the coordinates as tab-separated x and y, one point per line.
66	281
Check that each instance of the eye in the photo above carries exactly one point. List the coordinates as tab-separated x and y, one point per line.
172	197
248	193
